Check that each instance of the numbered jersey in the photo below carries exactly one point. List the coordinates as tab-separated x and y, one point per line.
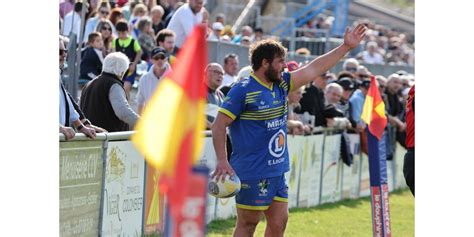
258	132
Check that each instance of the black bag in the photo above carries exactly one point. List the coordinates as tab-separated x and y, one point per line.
346	154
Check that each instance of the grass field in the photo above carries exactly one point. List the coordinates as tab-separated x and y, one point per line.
344	218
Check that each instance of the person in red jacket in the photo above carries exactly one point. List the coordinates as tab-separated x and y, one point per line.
409	164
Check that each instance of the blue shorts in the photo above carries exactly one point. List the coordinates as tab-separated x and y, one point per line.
130	76
259	194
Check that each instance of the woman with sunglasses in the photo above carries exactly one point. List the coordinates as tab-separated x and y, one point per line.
102	12
106	28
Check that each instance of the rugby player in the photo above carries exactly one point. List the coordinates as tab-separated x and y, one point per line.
255	110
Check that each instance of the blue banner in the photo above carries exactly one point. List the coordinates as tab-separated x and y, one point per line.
378	185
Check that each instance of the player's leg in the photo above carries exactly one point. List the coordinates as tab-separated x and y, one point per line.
277	213
277	217
247	221
251	201
409	169
128	83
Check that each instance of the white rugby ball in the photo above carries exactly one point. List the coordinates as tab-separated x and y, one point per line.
230	187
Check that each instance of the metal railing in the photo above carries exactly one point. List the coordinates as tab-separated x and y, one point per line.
217	51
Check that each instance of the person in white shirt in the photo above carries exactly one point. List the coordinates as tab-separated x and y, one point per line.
231	68
184	20
72	21
150	80
371	56
217	28
103	11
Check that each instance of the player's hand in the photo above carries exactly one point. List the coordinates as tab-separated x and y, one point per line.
353	38
222	168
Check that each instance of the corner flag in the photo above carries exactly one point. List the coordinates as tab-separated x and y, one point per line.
169	134
374	110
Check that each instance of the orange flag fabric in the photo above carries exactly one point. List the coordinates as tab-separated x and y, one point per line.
374	110
170	132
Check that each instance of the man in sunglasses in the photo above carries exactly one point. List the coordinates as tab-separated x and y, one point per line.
351	65
149	81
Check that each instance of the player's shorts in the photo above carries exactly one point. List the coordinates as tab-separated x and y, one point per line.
130	76
260	193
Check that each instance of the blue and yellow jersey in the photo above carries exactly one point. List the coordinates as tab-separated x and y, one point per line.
258	132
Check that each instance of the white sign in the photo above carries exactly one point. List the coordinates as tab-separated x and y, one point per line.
295	152
399	160
310	170
331	189
390	178
210	208
225	208
123	196
365	177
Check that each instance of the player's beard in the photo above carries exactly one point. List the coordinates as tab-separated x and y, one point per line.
272	74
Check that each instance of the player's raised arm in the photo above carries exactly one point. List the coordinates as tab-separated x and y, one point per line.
323	63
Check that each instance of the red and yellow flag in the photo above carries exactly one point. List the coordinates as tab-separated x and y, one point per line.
374	110
170	132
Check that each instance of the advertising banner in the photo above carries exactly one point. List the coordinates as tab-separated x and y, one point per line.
331	188
399	159
225	208
208	157
364	185
379	186
295	151
210	208
390	177
80	187
153	221
309	185
123	191
346	180
356	169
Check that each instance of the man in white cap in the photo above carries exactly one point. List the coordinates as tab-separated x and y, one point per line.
217	28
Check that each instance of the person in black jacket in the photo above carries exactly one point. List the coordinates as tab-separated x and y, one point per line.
103	100
313	100
92	58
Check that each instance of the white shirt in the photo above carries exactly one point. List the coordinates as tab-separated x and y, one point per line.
72	22
90	27
63	102
147	85
182	23
227	80
369	59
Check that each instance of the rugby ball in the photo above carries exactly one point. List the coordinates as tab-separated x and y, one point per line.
229	188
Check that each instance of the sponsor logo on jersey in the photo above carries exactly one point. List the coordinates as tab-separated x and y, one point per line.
277	145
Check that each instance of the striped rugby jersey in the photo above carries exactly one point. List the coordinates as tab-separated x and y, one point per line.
258	132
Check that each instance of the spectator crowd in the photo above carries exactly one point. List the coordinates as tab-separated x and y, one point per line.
119	35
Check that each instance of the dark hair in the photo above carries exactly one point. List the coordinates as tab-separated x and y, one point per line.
345	74
121	26
162	34
114	14
265	49
231	55
77	6
258	29
92	37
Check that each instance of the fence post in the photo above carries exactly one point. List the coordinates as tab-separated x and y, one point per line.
321	170
105	146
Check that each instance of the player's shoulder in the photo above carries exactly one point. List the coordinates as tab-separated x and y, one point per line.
243	85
